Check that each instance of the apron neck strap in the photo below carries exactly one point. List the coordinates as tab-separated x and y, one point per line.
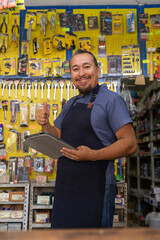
94	95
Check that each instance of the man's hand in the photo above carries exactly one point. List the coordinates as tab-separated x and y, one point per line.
82	153
42	115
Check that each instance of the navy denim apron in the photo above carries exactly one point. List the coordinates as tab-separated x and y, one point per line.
80	186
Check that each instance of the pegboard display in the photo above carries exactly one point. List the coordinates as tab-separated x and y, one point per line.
29	95
54	93
9	40
153	42
41	33
114	42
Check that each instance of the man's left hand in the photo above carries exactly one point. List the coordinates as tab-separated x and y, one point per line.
82	153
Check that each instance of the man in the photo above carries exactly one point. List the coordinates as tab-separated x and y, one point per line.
97	123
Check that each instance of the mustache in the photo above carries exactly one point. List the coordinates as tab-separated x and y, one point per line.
80	78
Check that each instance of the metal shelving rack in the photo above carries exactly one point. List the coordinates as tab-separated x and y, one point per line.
35	189
122	208
25	204
148	158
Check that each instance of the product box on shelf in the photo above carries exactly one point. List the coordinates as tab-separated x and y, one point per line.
16	196
4	196
42	217
14	226
5	214
16	214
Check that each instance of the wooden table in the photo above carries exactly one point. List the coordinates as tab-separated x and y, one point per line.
85	234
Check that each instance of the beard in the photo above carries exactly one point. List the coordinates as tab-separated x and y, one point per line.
84	90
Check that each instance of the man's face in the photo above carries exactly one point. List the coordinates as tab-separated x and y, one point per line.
84	72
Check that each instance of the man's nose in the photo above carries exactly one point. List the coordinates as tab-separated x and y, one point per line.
81	72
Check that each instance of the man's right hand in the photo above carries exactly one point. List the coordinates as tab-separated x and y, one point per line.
42	115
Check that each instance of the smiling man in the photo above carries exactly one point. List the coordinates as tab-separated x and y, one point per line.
97	123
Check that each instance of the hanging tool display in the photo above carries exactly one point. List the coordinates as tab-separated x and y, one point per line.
130	60
52	19
3	26
15	26
22	84
35	89
9	88
48	90
5	108
55	110
30	22
3	47
55	86
58	42
13	40
151	50
70	40
43	22
4	83
85	43
35	46
47	46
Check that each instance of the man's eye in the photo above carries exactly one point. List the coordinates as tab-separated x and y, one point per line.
87	66
75	69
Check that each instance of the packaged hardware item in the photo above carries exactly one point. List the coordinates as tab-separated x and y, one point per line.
106	23
24	114
130	22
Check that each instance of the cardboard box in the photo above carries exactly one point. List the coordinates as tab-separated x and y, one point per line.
5	214
16	196
14	227
43	217
3	226
4	196
16	214
43	200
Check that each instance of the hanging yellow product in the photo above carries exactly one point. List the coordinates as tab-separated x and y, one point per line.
57	68
70	40
11	140
9	66
47	68
24	114
47	46
117	24
35	67
85	43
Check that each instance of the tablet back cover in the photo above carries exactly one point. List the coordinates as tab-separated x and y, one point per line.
46	144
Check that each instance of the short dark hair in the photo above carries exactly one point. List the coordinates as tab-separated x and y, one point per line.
81	51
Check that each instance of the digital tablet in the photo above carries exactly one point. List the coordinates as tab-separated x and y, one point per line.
47	144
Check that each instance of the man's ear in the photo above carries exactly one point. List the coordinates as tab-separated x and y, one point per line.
98	71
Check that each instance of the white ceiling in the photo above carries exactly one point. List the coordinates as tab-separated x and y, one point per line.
89	2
